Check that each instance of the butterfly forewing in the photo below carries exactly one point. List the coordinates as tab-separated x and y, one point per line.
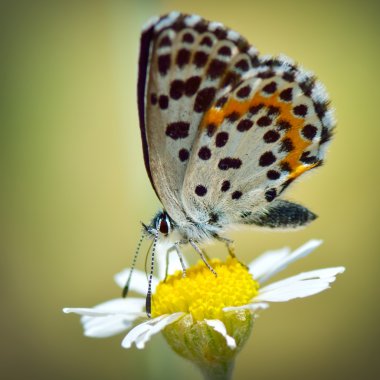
184	62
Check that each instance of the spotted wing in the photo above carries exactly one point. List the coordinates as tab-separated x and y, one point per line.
256	139
184	62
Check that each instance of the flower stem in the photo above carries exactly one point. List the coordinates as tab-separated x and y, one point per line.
220	371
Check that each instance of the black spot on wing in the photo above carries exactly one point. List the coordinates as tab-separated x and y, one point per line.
226	185
309	131
164	64
177	89
244	125
204	99
267	158
201	190
163	102
204	153
178	130
270	194
183	57
216	68
221	139
229	163
192	85
183	155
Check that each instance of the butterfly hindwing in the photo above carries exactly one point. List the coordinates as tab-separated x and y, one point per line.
269	129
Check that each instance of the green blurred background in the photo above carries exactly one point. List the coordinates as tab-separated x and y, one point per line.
75	188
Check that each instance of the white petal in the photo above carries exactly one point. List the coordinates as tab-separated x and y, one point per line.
266	261
250	306
139	282
326	274
115	306
142	332
138	330
299	286
219	327
145	337
302	251
109	318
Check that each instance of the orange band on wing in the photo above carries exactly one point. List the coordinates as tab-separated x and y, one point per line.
216	116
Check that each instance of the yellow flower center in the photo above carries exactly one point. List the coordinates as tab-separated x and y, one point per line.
202	294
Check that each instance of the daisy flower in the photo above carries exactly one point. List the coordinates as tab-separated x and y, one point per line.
204	318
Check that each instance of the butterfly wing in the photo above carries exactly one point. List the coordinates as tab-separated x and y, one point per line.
261	135
184	61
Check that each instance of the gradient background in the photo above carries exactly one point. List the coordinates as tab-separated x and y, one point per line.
75	188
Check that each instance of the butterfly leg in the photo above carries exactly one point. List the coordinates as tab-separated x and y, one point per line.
231	248
201	254
229	244
180	256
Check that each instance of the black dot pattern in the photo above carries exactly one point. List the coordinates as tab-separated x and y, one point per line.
192	85
283	125
236	195
183	155
244	125
163	102
206	41
188	38
164	64
270	88
204	153
153	99
255	109
204	98
287	95
300	110
270	194
221	139
201	190
229	163
178	130
273	174
267	158
226	185
183	57
165	41
221	101
233	116
177	89
286	145
309	131
242	65
243	92
264	121
200	59
225	50
216	68
211	128
271	136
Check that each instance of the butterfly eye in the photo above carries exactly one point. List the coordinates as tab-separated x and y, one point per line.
164	226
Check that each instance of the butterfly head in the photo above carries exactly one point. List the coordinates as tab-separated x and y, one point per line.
161	225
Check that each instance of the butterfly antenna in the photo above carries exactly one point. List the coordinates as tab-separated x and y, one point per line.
126	287
148	304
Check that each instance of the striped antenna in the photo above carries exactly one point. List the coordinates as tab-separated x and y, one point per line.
126	287
148	303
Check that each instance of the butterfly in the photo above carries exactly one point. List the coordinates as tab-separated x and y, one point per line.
224	132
